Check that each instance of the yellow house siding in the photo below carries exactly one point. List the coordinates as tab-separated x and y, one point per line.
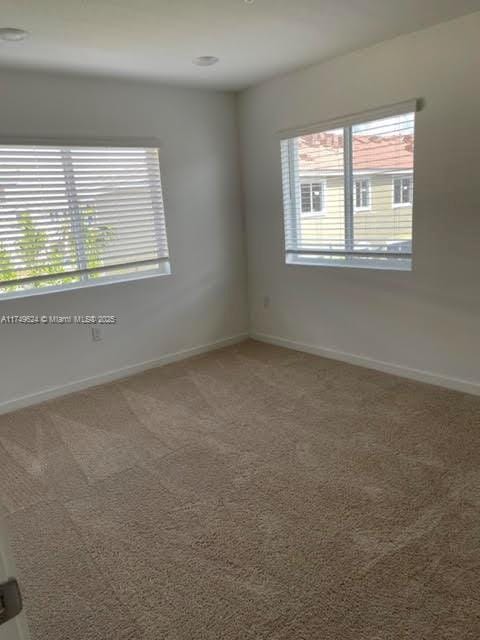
381	222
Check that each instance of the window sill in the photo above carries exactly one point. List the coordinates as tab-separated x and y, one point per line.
350	262
165	270
316	214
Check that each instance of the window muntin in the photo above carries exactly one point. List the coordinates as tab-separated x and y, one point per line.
360	161
72	216
403	191
312	197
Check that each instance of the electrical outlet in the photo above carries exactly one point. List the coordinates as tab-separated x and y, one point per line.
266	302
97	333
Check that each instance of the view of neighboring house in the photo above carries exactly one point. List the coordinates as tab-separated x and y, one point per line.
382	189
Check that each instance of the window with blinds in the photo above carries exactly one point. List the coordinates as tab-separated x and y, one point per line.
365	165
71	216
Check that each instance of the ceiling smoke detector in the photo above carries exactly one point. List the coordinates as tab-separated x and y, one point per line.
11	34
205	61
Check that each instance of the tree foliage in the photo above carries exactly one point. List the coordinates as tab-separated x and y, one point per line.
71	244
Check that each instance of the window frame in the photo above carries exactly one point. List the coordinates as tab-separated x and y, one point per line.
123	142
367	207
403	176
311	182
348	257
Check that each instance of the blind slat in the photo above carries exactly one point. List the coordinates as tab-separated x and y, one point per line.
123	258
30	253
79	272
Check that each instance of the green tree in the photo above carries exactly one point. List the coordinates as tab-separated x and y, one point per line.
95	239
40	253
6	267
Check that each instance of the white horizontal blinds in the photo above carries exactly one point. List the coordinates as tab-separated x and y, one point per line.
383	154
292	195
69	214
348	192
315	169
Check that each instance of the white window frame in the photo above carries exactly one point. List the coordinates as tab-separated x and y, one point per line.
367	207
403	176
349	257
68	141
310	182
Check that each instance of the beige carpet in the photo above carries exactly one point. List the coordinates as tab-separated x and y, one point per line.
252	493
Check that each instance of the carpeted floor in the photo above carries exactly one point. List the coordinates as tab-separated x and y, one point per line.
251	493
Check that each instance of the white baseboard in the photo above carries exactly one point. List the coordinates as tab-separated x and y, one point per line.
465	386
109	376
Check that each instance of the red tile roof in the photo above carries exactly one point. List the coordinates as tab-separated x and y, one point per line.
324	152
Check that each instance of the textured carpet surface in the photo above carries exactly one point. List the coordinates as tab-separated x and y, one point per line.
251	493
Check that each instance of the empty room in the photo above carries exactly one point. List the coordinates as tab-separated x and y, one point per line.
240	320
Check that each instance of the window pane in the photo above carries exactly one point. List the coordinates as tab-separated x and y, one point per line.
365	193
317	198
358	194
397	191
406	183
305	198
317	159
383	149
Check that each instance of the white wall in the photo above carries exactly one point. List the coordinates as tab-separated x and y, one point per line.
428	319
205	299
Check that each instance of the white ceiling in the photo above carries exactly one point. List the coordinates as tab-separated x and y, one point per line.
158	39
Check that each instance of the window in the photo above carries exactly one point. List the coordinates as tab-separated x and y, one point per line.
71	216
402	191
312	197
356	161
362	194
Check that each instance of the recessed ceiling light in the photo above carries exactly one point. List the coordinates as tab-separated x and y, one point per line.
10	34
249	1
205	61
